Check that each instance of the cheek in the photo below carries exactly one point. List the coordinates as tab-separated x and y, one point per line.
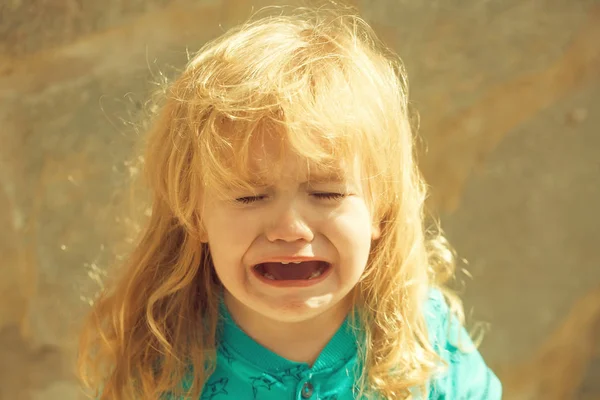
353	232
226	251
229	237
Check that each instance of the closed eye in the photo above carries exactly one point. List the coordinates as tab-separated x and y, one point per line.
329	195
250	199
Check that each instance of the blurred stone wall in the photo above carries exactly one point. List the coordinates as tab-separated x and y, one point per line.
508	96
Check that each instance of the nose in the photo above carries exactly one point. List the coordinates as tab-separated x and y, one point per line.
289	226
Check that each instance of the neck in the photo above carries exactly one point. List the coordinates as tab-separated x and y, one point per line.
301	341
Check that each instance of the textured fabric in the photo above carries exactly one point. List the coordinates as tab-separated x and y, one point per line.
248	371
467	376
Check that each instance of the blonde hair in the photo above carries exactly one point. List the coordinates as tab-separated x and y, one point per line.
325	84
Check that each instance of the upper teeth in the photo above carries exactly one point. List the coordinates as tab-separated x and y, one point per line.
293	262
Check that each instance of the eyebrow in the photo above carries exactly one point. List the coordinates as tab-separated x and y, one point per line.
315	177
314	180
326	177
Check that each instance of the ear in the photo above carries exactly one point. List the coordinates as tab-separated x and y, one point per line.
203	235
375	231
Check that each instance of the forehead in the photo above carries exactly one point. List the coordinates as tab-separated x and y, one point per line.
243	157
271	162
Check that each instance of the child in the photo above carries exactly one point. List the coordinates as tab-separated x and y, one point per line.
285	256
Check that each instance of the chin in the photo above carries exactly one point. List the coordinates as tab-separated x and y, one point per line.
297	310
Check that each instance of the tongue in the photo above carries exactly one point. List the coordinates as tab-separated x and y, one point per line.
291	272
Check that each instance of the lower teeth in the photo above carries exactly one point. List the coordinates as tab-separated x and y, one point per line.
315	274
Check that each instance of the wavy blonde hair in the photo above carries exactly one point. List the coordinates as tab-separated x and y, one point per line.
324	83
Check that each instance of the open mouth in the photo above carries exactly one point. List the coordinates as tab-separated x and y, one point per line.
293	271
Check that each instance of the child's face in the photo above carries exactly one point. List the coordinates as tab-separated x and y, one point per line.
324	224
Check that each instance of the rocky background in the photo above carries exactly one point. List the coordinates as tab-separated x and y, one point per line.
508	93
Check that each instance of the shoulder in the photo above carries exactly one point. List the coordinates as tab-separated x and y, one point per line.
436	309
467	376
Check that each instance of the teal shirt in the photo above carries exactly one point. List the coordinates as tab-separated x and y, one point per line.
248	371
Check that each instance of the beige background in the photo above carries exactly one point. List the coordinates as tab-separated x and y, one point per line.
508	92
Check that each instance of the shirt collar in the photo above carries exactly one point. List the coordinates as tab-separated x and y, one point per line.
341	348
